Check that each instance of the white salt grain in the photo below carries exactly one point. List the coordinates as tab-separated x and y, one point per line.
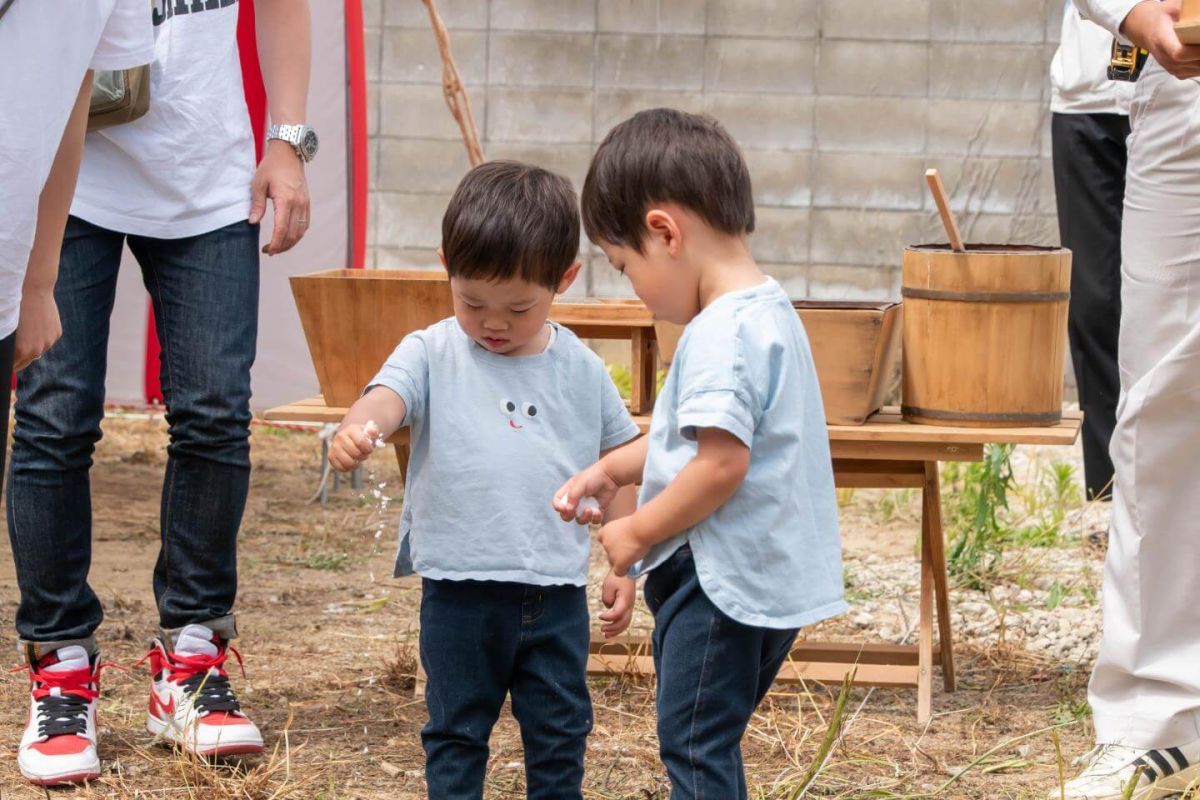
372	432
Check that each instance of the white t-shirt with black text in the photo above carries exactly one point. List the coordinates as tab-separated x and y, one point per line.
45	49
185	167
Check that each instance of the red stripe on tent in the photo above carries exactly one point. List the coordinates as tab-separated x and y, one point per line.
252	80
356	75
151	383
256	105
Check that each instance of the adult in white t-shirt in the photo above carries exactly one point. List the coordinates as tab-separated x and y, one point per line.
180	188
44	52
47	54
1145	688
1089	126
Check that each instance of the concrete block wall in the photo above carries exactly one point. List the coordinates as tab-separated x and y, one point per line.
840	106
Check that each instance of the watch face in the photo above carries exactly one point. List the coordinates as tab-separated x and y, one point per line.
308	144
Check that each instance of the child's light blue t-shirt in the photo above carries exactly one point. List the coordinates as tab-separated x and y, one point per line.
493	437
771	555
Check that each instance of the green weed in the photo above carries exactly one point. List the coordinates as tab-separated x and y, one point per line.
983	522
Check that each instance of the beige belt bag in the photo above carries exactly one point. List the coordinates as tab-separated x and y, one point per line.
119	96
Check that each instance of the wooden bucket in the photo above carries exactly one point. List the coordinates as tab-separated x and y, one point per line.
855	346
985	335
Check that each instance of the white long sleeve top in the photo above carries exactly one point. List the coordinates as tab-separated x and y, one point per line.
1079	82
1108	14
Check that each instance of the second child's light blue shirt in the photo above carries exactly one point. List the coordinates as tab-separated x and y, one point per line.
771	555
493	437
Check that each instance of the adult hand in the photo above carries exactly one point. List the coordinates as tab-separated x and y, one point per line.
1151	25
622	545
280	177
38	328
618	595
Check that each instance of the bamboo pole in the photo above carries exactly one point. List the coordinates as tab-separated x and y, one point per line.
456	96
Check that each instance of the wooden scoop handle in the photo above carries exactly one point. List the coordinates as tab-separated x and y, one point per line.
934	179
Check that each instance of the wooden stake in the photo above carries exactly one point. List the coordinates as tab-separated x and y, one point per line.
934	179
452	87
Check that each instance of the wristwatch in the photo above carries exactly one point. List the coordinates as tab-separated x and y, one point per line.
301	137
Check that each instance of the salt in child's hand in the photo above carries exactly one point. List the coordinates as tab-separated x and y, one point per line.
585	497
587	510
354	444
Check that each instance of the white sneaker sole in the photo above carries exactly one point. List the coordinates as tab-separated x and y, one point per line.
231	746
74	775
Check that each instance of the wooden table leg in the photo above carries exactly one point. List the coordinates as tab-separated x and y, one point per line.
643	372
925	623
932	512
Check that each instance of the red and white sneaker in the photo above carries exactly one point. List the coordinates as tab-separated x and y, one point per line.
191	703
59	745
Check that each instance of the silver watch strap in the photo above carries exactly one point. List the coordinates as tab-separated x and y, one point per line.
288	133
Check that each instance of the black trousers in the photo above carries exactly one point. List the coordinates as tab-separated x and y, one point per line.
1089	181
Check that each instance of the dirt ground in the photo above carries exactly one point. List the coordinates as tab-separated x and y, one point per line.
329	641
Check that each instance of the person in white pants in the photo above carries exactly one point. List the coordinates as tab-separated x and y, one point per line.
1088	131
1145	690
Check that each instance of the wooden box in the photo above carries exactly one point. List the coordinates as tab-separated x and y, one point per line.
353	319
855	348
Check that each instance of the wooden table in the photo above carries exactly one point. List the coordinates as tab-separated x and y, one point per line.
885	453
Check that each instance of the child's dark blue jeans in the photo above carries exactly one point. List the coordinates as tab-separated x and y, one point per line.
482	640
712	673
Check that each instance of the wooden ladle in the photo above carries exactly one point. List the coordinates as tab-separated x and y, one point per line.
934	179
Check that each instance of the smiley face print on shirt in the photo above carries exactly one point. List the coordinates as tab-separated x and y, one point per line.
519	414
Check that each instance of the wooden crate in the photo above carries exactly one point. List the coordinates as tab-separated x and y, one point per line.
353	319
855	348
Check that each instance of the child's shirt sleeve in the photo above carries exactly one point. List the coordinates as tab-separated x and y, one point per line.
406	372
616	427
714	387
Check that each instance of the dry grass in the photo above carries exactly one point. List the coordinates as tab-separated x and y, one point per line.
331	658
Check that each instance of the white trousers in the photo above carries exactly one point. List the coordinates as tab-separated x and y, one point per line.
1145	690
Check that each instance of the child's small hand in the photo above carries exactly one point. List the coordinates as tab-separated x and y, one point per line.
618	596
571	501
351	446
622	545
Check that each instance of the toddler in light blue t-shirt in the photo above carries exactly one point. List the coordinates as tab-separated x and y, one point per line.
736	526
503	407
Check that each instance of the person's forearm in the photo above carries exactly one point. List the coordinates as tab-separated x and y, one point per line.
54	205
1139	23
700	488
623	505
285	52
380	405
625	464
